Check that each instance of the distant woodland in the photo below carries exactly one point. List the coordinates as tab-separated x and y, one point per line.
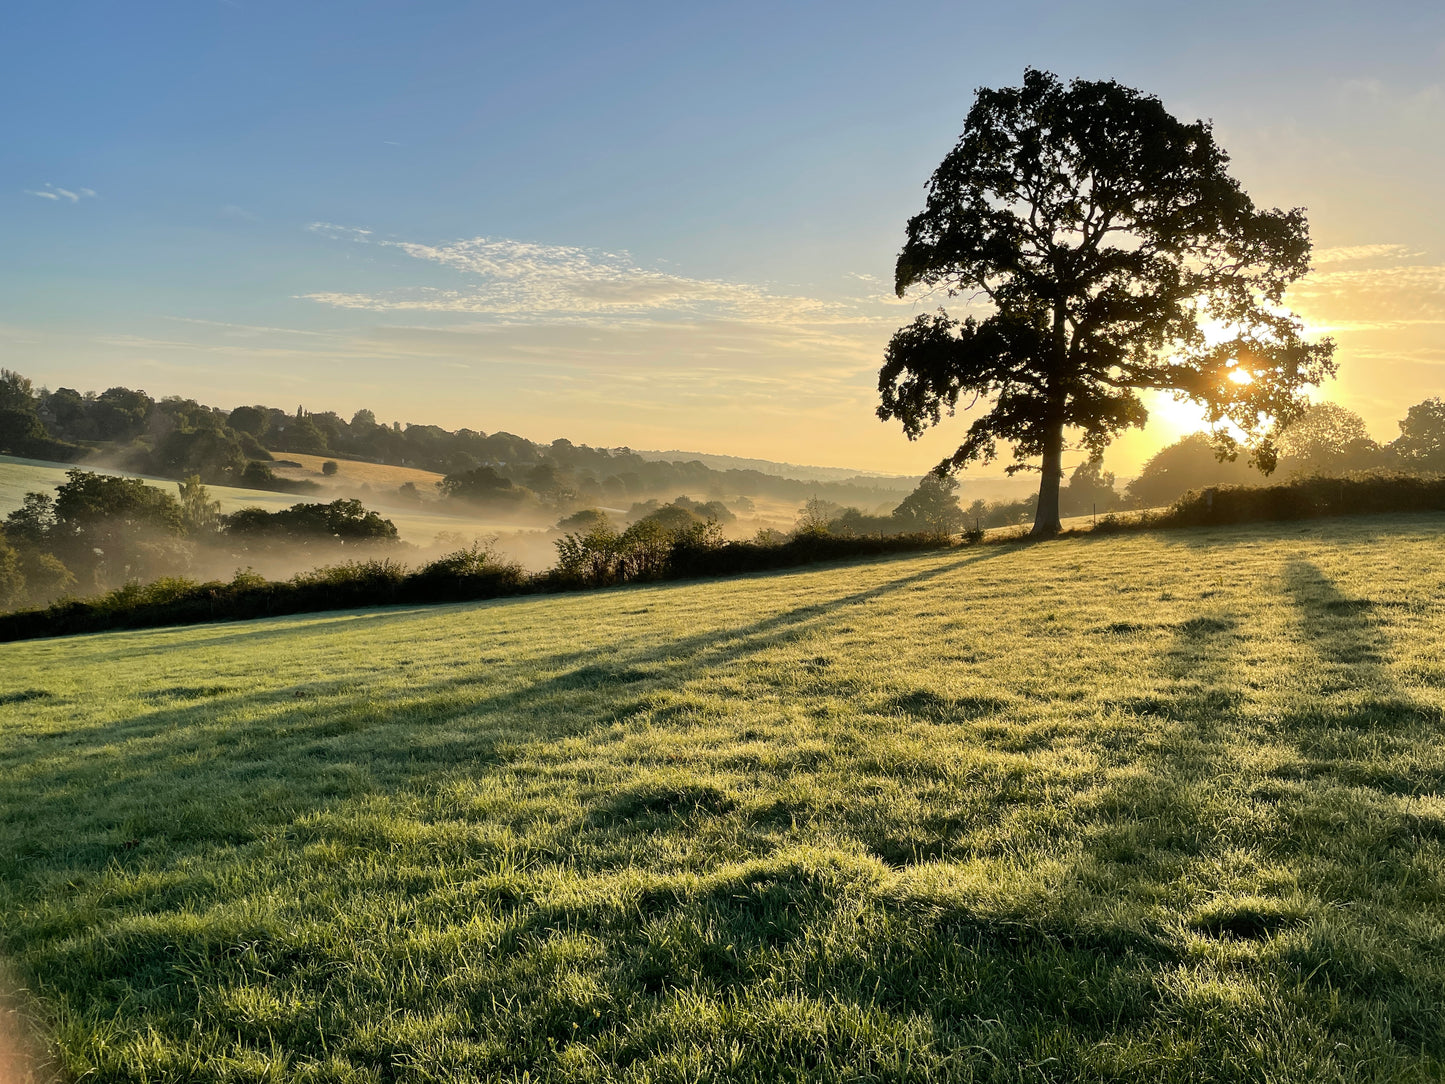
179	438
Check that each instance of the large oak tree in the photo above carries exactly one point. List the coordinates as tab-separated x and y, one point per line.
1099	237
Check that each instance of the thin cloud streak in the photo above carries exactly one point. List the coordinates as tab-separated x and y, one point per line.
528	281
56	193
1359	253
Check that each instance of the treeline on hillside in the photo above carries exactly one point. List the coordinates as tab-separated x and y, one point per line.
177	438
101	531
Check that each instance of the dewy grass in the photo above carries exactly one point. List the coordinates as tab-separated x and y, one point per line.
1146	807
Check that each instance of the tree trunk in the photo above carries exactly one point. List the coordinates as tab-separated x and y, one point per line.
1046	517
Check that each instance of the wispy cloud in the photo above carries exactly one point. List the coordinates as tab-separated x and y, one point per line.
524	280
1372	298
1363	253
246	329
56	193
340	233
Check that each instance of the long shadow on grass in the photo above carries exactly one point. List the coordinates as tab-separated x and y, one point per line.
212	766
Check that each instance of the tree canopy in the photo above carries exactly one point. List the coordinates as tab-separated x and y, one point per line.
1421	442
1100	239
1327	438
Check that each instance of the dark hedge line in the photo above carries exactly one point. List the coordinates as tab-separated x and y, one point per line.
460	577
1365	493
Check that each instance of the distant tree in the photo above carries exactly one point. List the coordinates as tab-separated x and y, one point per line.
588	519
1101	233
673	518
1421	443
346	519
87	498
16	392
213	453
257	475
67	414
106	527
249	419
33	521
543	479
482	484
199	514
22	433
1090	487
12	579
932	506
713	510
1190	463
815	515
46	577
121	413
1327	439
852	522
329	468
300	435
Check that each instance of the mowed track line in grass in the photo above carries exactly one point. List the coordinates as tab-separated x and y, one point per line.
1161	806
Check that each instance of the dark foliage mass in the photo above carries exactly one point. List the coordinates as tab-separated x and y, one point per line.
343	519
1101	232
1308	498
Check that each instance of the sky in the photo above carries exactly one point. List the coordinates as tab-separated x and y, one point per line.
654	225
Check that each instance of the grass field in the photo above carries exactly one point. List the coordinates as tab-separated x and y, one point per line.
1144	807
351	473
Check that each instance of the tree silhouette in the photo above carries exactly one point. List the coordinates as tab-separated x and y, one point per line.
1421	442
1327	438
932	506
1101	235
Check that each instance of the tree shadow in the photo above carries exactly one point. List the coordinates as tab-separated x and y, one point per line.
215	756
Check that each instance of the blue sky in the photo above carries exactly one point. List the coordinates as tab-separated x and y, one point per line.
650	224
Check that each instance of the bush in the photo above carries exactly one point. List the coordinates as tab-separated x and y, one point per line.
475	572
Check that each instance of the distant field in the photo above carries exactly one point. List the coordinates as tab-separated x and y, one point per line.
351	473
1155	807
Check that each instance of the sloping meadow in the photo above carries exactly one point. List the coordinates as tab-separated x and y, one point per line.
1143	807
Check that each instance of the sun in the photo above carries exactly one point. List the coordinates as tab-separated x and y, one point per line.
1171	418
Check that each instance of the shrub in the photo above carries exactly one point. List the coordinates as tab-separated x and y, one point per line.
474	572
